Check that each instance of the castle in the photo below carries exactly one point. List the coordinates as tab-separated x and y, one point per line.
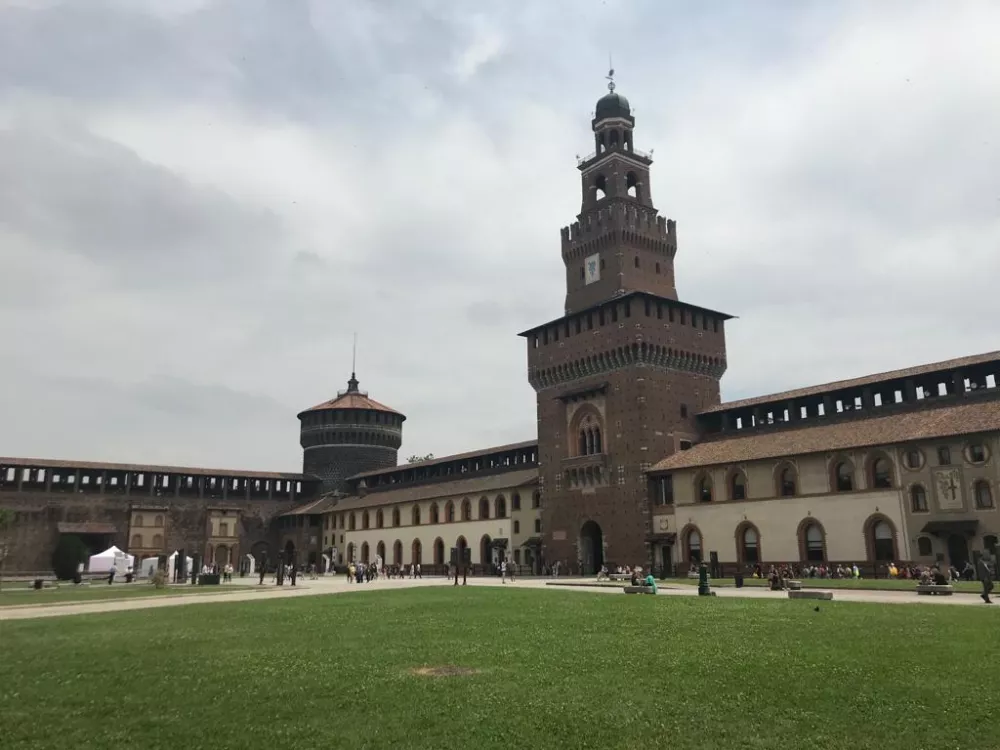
636	461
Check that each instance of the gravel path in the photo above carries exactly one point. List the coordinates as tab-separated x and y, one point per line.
338	585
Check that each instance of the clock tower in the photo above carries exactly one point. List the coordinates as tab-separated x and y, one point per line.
621	375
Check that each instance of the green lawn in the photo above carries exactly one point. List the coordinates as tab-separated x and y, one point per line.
557	669
16	595
877	584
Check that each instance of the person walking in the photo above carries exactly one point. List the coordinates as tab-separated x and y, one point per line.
986	576
503	571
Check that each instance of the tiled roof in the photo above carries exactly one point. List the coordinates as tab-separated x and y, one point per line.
322	505
49	463
446	459
965	418
352	401
881	377
472	486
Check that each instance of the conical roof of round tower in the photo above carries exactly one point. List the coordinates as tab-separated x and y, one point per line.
352	398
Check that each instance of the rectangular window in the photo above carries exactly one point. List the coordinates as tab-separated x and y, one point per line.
670	314
944	455
684	411
682	317
614	313
538	525
517	527
628	309
600	317
667	490
590	321
647	305
659	311
577	325
715	325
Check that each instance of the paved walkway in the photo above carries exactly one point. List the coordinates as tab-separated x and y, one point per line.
338	585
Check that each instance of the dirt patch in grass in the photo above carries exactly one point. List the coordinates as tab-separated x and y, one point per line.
445	671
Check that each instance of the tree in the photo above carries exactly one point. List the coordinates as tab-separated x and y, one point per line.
417	459
69	552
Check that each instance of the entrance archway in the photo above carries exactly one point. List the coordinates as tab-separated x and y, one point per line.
364	553
958	551
289	552
350	552
486	550
397	553
461	545
417	552
439	551
591	548
222	555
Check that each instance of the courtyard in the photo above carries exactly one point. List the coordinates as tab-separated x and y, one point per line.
423	664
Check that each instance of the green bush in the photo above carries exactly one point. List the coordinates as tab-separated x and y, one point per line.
69	552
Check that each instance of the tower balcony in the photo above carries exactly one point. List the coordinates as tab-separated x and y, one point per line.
643	156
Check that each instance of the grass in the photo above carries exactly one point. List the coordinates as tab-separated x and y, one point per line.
19	595
557	669
863	584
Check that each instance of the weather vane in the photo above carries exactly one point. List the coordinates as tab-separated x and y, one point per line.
611	74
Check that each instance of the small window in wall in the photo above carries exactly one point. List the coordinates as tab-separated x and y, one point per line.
844	477
685	445
944	455
538	525
977	453
517	527
983	495
704	490
914	459
918	499
684	411
924	546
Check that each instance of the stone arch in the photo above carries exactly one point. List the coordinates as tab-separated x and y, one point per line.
439	551
397	553
350	552
812	540
842	475
380	550
486	550
484	508
880	473
466	509
736	484
748	544
692	544
221	556
587	427
786	479
416	553
365	553
884	547
461	545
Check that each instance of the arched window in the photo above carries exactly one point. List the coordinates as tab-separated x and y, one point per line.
379	520
918	499
395	516
692	545
397	553
353	523
600	187
787	481
749	544
380	550
583	443
880	473
737	486
466	510
881	539
157	541
449	512
439	551
843	477
704	489
158	522
536	499
500	505
633	185
434	514
925	548
484	508
136	541
813	543
984	496
598	446
365	520
416	553
515	502
138	520
364	553
415	516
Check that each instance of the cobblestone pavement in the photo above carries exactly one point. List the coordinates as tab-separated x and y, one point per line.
338	585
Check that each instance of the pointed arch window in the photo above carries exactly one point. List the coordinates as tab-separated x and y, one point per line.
704	489
466	510
787	481
881	473
395	516
918	499
749	545
484	508
415	515
814	543
737	486
692	545
449	512
843	477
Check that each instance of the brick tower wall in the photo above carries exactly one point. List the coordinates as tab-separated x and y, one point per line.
333	464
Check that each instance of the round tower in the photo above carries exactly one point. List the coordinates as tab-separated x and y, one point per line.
348	435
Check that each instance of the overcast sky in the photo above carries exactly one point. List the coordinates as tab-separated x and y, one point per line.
201	201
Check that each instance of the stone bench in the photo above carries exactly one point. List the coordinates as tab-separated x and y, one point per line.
619	576
639	590
801	594
933	589
793	585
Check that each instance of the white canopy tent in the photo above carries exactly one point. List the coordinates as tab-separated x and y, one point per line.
102	562
149	564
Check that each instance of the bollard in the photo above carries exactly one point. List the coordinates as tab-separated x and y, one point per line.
704	589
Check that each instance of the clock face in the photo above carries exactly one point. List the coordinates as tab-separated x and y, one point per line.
592	268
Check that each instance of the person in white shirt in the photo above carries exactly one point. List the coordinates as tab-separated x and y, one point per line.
503	571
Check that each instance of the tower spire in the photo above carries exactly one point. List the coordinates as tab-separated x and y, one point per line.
352	384
611	74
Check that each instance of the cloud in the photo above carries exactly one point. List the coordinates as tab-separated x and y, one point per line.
201	203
